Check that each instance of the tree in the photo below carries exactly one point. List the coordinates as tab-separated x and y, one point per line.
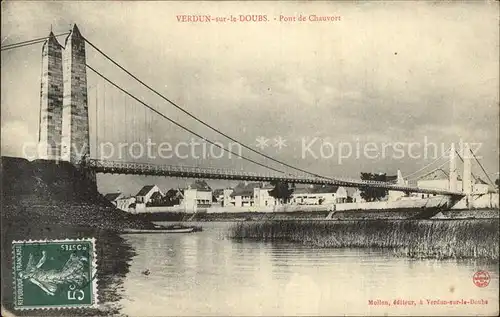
372	193
282	191
497	182
171	198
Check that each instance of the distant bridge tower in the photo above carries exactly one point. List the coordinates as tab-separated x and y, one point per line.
75	123
467	177
453	175
51	100
64	121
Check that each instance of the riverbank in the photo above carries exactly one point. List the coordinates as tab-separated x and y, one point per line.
54	200
438	239
203	216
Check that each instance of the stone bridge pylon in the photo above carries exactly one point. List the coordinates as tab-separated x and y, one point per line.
64	122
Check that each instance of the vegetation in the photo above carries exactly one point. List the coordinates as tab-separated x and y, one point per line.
440	239
371	193
282	191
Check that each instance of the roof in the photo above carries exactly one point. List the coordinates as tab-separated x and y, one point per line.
218	191
243	189
317	189
112	196
156	195
201	185
145	190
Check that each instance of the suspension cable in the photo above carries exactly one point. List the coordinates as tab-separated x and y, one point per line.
439	158
481	165
197	119
436	169
461	159
178	124
28	42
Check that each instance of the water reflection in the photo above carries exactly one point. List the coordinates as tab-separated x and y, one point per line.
205	274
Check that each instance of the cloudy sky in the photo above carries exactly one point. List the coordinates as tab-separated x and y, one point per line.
385	73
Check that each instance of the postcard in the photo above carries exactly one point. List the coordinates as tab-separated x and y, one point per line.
250	158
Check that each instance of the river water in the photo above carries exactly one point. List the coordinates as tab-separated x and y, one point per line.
205	273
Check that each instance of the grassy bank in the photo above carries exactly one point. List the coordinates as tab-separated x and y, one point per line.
440	239
54	200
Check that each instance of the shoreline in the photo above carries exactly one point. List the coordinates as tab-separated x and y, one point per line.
415	239
482	213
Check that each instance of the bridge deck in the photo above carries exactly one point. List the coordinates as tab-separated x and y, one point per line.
118	167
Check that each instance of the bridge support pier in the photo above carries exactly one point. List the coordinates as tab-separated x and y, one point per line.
51	96
64	120
453	175
467	176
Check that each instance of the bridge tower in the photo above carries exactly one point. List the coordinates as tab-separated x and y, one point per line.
467	186
75	119
453	175
64	121
51	100
467	178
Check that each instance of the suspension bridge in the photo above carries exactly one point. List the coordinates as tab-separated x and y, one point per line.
71	128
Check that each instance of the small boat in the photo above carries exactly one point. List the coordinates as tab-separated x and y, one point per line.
173	229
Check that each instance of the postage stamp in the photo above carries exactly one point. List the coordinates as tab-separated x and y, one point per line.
54	274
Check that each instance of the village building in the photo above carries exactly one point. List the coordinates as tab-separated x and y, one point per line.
247	194
197	195
242	195
261	196
113	197
319	195
144	195
120	201
354	195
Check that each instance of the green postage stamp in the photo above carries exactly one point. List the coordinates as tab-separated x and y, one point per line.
54	274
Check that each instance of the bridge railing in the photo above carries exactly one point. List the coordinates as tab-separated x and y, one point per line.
119	166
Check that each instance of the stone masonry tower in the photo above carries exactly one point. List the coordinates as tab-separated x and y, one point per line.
51	101
75	120
64	121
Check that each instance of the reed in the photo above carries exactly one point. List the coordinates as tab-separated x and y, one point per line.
440	239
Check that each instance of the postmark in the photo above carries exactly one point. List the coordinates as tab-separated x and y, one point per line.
54	274
481	278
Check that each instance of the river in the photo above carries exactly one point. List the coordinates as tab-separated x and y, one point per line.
205	273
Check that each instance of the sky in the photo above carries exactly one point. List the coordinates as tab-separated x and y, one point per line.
383	73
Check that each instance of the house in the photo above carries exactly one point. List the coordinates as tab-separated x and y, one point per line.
120	201
247	194
144	195
173	196
242	194
261	196
125	203
113	197
203	193
197	195
319	195
354	195
156	199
